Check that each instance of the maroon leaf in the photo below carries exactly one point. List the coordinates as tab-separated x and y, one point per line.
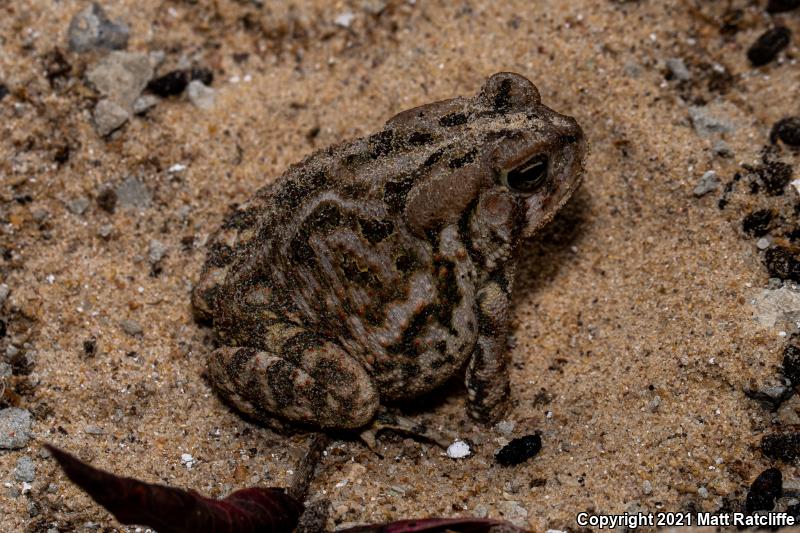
174	510
438	525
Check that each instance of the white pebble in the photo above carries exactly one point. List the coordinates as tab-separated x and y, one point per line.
458	450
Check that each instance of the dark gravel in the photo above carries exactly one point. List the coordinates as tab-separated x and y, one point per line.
767	46
765	489
519	450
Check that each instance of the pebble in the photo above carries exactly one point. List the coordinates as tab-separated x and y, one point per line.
15	428
157	251
722	149
654	404
144	103
107	200
791	363
94	430
780	6
5	370
105	231
765	489
772	306
480	511
702	492
92	29
344	19
781	263
787	130
109	116
784	446
121	77
775	175
706	124
175	82
519	450
647	487
506	427
78	206
763	243
768	45
25	469
132	193
756	224
678	69
708	183
131	327
187	460
201	95
4	292
459	450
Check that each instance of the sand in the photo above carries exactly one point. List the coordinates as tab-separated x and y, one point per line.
633	329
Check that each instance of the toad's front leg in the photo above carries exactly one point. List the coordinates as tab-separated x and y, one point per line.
487	376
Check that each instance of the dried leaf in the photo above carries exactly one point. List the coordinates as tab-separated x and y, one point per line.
174	510
439	525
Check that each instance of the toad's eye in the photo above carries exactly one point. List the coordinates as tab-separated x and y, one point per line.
527	177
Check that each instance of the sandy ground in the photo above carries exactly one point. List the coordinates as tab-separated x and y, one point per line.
633	336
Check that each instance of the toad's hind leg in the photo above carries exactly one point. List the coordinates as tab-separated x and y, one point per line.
312	381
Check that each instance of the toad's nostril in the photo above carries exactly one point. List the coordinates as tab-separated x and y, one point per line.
569	139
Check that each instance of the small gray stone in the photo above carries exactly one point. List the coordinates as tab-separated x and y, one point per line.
40	215
132	193
654	404
105	231
144	103
93	430
5	370
109	116
25	469
201	95
763	243
709	182
78	205
121	77
4	292
632	69
706	124
678	69
157	251
91	29
505	427
647	487
15	428
722	149
131	327
702	492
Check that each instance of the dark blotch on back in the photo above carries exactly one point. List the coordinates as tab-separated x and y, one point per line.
465	159
375	230
240	219
294	191
406	263
395	192
501	99
453	119
419	138
433	158
380	143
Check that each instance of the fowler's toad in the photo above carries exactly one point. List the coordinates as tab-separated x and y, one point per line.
374	269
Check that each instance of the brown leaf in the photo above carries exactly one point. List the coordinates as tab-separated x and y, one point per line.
439	525
173	510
